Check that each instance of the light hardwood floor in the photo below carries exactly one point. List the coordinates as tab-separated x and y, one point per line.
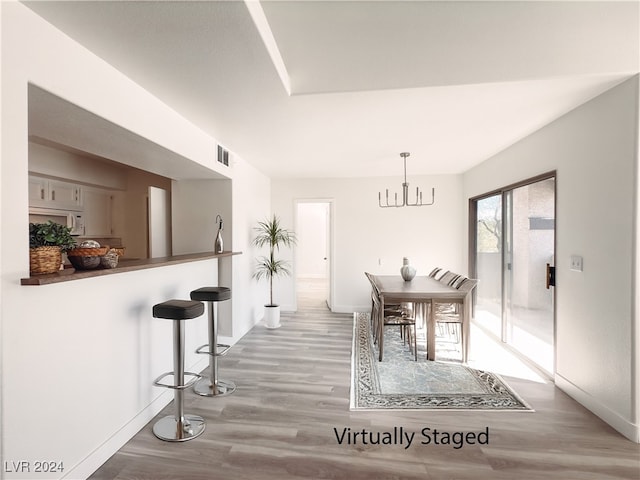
293	390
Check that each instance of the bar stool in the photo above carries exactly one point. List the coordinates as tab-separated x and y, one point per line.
213	386
178	427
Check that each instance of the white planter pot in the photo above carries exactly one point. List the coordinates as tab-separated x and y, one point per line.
272	316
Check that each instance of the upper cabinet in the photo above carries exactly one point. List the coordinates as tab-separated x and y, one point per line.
44	192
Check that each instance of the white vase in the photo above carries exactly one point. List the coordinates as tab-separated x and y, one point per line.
407	271
272	316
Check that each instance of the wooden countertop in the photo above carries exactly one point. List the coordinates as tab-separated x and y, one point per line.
124	265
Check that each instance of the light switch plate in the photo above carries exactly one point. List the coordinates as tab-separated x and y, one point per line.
576	263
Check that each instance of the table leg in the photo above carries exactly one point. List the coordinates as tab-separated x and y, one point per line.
381	330
466	330
431	332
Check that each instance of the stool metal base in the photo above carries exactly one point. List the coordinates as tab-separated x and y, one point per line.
170	430
206	388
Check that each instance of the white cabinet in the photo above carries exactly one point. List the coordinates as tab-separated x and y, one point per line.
65	195
44	192
97	212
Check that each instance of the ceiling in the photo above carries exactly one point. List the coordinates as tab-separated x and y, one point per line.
340	88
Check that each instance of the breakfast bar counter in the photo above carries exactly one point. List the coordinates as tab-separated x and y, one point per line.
124	265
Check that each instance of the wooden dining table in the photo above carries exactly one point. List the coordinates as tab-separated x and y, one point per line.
425	291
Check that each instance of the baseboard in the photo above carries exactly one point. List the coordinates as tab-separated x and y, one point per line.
350	308
622	425
96	459
336	308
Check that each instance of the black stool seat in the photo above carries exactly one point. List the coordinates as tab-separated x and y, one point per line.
178	309
211	294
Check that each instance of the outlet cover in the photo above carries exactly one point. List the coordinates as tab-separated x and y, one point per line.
576	263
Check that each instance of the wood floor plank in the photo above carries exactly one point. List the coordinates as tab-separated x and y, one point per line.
292	401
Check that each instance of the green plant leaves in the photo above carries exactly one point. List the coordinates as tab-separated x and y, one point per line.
271	234
50	234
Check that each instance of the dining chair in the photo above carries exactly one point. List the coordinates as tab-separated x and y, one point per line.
393	314
405	320
434	273
451	312
373	315
448	277
389	309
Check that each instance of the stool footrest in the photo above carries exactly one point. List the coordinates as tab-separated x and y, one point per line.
158	383
219	353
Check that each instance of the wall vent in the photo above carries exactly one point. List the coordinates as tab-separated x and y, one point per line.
223	155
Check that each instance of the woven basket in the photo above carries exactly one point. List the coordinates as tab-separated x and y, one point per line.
44	260
87	252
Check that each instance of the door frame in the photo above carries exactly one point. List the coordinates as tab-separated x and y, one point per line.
330	244
473	220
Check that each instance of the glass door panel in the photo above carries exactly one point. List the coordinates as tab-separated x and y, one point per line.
488	263
529	247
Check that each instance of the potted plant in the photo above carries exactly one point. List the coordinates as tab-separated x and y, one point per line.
270	233
47	241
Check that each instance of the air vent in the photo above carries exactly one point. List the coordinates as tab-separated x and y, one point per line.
223	155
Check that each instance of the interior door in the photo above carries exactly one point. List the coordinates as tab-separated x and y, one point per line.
313	251
513	257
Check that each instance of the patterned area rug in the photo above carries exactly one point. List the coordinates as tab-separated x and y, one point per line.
401	383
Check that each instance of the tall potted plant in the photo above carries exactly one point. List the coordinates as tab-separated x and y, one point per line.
271	234
47	241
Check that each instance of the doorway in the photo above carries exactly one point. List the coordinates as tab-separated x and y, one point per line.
513	238
313	254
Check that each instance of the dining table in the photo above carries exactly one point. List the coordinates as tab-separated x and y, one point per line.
424	292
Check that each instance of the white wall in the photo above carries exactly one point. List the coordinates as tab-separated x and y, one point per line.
594	150
369	238
78	358
78	363
251	204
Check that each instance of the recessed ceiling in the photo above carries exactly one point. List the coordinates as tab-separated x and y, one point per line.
451	82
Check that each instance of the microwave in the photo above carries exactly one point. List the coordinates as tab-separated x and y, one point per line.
73	220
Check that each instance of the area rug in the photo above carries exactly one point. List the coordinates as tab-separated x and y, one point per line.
401	383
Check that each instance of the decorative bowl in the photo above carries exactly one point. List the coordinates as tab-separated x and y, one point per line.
84	262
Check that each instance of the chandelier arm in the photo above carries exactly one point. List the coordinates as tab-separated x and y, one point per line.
405	192
433	199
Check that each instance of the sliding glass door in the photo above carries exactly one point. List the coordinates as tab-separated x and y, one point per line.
514	236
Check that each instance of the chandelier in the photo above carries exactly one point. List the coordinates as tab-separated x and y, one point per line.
405	192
